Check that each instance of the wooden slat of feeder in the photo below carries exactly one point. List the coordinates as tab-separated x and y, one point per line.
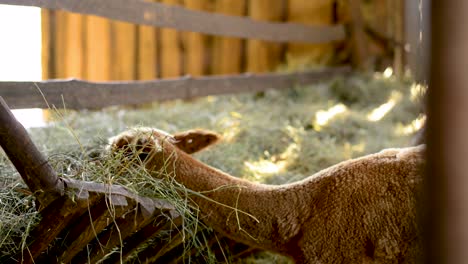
116	235
33	167
55	218
132	243
88	227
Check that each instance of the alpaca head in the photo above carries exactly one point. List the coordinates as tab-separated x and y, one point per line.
153	147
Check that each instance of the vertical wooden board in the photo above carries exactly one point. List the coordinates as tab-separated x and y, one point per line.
195	44
398	59
263	56
98	49
123	51
358	39
311	12
74	51
227	51
60	44
171	53
147	57
46	42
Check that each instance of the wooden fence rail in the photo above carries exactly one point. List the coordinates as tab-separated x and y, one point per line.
78	94
157	14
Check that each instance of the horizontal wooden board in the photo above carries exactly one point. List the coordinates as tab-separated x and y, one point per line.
161	15
78	94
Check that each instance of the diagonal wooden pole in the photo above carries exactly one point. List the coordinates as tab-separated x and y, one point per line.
28	160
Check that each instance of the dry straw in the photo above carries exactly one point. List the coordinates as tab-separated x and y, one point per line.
273	137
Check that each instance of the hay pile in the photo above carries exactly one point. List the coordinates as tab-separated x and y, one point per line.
275	137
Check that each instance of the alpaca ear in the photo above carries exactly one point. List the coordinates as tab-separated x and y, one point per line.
195	140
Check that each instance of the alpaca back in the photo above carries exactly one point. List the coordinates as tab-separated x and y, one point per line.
365	210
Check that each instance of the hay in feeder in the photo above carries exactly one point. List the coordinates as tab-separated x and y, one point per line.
275	137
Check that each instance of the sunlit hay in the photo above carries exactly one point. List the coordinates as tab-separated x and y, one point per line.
17	211
275	130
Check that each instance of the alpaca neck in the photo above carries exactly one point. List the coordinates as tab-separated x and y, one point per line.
256	214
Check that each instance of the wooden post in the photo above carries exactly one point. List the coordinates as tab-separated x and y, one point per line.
398	59
263	56
358	38
47	42
29	162
147	57
171	54
196	44
227	51
74	46
447	197
98	49
312	12
60	44
123	58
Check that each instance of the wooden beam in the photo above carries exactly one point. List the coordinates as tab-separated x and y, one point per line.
78	94
161	15
147	55
33	167
123	50
309	12
228	51
98	49
195	44
446	216
264	56
171	53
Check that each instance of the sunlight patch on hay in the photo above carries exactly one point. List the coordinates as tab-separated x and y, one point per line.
379	112
411	128
322	117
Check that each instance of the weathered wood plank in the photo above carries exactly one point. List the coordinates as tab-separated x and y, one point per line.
310	12
74	46
157	14
195	44
171	53
359	43
123	50
87	227
78	94
55	218
147	53
161	223
33	167
98	49
264	56
228	51
46	44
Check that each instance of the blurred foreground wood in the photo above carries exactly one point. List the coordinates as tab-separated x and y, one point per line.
446	214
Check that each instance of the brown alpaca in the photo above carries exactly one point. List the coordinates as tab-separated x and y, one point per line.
358	211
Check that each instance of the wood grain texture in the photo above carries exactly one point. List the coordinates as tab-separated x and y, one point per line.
171	53
98	49
33	167
123	50
157	14
196	44
310	12
78	94
264	56
228	51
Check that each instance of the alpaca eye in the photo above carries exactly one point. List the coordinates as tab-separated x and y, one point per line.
143	156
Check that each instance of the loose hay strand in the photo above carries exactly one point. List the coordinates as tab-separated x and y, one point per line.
274	133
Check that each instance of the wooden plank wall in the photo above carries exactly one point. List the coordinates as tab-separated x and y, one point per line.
98	49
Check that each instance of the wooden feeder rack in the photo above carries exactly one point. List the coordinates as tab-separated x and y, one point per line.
84	221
